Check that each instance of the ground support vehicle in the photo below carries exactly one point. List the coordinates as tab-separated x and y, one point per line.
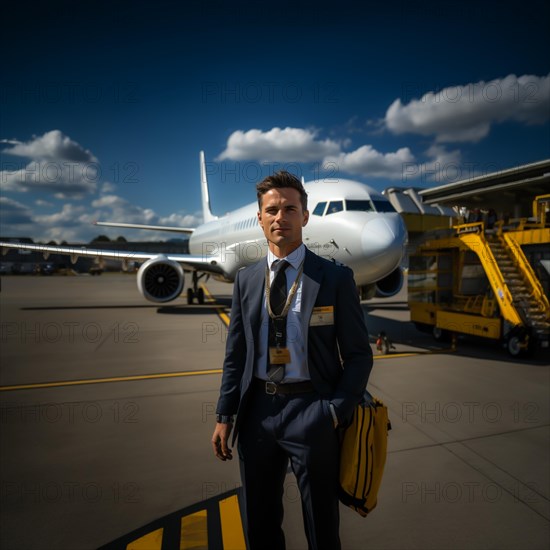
492	283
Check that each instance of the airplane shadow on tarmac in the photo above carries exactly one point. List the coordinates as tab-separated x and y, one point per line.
177	309
400	332
185	309
190	310
71	308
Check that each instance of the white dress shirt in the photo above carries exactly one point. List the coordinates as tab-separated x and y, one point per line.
296	370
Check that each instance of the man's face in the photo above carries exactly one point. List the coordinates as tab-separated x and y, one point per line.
282	218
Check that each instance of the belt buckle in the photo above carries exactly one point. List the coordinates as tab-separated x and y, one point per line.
270	388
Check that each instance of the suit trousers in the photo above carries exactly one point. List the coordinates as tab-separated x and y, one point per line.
299	428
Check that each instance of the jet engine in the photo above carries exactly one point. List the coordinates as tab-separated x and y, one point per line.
389	286
160	279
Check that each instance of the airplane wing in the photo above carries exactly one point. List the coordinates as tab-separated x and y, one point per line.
186	230
206	264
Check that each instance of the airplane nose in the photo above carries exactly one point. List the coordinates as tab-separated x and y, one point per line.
382	240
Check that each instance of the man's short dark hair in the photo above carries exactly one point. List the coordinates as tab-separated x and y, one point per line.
279	180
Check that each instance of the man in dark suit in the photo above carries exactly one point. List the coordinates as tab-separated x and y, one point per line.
297	363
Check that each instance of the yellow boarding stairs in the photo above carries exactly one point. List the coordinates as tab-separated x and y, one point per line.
519	294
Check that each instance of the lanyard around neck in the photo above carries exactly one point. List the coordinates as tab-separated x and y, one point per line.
289	297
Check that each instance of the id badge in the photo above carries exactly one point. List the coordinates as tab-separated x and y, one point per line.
279	356
322	316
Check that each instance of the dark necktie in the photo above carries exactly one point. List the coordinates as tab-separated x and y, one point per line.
278	295
277	300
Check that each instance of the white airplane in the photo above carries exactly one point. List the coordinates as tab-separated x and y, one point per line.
349	222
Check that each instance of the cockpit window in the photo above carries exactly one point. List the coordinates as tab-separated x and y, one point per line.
383	206
358	205
319	209
361	205
335	206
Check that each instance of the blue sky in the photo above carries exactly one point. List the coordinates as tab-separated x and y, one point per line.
106	105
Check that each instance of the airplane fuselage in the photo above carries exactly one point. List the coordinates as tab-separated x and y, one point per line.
357	234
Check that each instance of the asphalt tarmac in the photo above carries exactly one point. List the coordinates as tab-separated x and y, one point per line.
107	410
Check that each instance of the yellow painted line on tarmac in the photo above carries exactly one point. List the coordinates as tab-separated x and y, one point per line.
220	311
106	380
224	317
64	383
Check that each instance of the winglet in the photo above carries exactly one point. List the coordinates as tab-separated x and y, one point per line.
206	211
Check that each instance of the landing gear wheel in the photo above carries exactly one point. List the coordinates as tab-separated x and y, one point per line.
190	296
200	296
440	335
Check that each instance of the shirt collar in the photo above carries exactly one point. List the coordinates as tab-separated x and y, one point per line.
295	258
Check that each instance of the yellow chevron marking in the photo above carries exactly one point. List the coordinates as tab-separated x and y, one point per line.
194	531
232	527
150	541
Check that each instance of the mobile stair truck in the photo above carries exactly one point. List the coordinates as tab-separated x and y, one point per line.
493	283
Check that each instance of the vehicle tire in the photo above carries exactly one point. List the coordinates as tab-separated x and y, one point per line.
200	296
440	335
513	346
190	296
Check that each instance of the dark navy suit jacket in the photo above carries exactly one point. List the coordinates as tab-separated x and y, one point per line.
339	356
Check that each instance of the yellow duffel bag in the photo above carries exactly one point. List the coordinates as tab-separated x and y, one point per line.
363	455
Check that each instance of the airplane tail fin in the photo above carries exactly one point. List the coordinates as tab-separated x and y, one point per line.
206	211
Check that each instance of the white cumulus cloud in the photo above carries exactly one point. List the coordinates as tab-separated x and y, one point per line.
107	187
13	213
466	113
443	166
57	164
278	145
70	215
116	208
367	162
74	222
60	166
53	145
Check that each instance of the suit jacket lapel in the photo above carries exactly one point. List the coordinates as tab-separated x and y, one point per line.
312	278
256	295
